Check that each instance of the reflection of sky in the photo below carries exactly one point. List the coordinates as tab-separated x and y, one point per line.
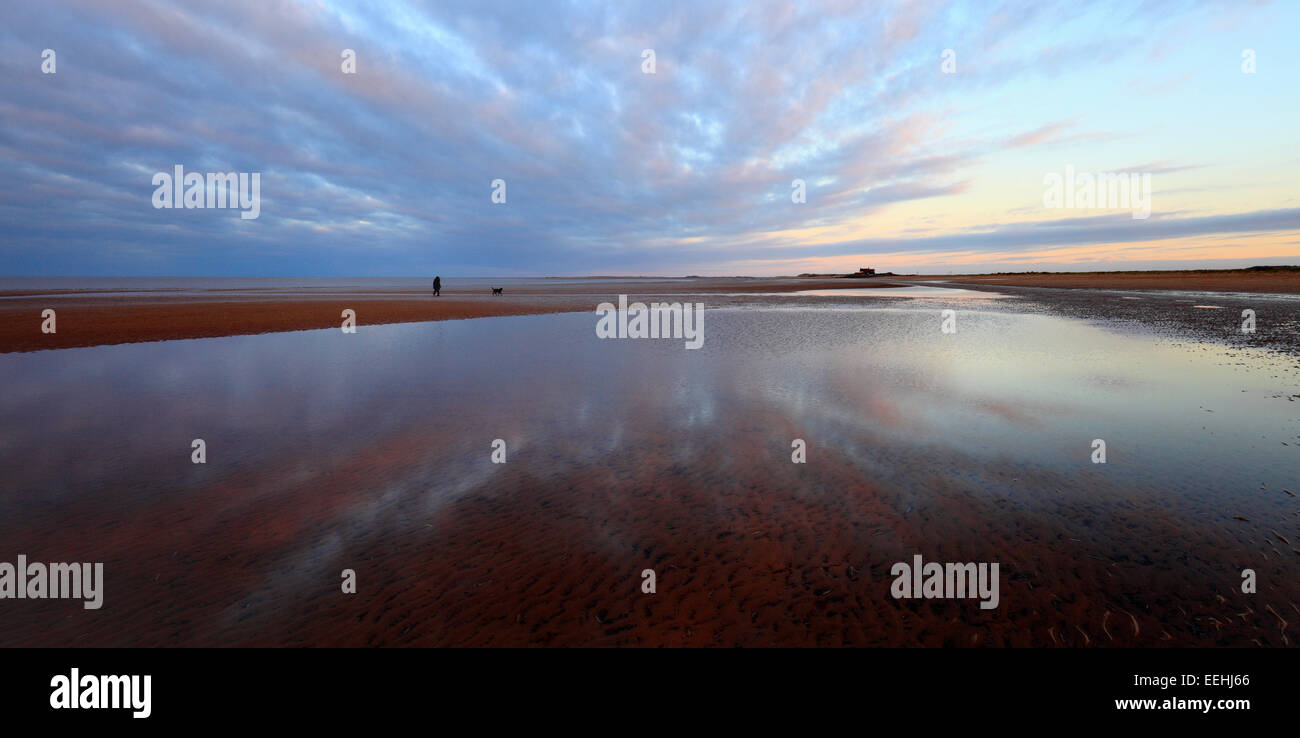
908	291
318	441
1033	390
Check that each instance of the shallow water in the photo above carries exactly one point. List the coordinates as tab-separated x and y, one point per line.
912	290
371	451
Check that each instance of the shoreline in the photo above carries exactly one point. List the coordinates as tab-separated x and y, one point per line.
98	317
1278	281
104	317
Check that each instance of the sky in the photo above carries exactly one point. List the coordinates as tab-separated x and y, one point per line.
924	136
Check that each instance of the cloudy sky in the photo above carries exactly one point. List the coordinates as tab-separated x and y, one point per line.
610	170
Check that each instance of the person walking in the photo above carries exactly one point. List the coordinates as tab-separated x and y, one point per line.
437	286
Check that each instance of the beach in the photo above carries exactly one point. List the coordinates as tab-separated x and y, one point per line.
1226	280
372	452
129	315
110	315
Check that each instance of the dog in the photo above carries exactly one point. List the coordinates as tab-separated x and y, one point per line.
497	290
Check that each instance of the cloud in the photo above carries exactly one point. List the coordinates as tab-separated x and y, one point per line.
1100	230
389	171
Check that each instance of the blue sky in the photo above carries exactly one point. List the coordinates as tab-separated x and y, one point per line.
609	170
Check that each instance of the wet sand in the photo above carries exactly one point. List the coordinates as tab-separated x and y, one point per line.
749	549
114	317
1227	280
390	476
104	319
1209	316
745	554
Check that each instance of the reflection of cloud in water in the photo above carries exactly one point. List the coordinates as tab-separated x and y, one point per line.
321	442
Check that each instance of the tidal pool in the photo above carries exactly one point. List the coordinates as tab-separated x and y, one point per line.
373	452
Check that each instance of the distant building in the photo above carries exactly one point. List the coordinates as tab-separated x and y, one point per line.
863	272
